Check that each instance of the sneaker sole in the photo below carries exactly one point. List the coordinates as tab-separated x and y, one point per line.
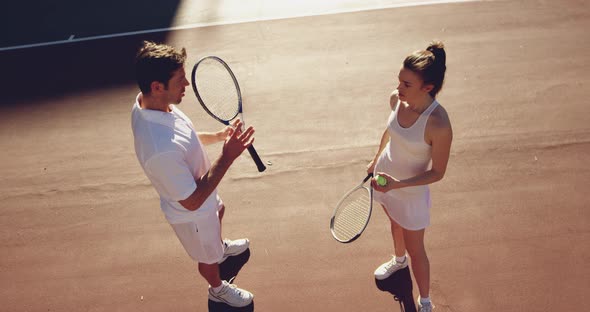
220	300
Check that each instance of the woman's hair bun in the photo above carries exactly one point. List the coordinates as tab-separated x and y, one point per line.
438	50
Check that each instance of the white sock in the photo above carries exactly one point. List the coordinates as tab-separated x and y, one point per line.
400	259
217	289
425	300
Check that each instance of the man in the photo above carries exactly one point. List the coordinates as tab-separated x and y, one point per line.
172	156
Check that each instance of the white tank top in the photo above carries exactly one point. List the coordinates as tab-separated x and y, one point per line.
406	154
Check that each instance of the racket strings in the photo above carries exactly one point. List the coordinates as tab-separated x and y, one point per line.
217	89
352	215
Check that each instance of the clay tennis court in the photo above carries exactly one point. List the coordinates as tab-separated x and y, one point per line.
80	224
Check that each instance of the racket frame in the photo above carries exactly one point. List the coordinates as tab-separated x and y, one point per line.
369	189
202	102
259	164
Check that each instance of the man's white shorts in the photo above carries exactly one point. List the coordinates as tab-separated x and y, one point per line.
202	238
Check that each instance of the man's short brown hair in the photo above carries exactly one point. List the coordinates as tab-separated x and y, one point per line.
156	62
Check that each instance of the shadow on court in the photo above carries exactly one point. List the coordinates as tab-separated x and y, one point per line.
54	71
36	73
228	270
29	22
399	284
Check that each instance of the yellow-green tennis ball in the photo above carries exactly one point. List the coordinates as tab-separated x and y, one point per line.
381	181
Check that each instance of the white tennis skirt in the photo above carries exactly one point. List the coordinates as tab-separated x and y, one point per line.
408	208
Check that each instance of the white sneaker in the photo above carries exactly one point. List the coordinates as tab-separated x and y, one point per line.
234	247
425	307
231	295
386	269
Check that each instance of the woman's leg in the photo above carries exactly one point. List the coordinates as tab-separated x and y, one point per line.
399	261
414	241
399	245
397	233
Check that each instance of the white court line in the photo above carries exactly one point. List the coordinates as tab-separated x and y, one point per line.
374	6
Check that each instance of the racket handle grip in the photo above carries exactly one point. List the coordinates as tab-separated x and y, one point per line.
256	158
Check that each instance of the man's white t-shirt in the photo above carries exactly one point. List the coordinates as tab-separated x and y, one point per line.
172	157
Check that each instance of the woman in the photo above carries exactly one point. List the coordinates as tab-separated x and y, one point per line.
413	153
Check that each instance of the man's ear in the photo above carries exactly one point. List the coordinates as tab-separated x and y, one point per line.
156	86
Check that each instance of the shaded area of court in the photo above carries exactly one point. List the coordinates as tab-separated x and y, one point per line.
29	22
40	74
80	226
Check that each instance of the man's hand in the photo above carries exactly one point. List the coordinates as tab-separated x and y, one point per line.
222	134
237	141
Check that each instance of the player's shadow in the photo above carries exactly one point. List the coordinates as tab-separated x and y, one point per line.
399	284
228	270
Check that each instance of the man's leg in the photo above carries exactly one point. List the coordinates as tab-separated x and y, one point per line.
230	247
220	213
211	273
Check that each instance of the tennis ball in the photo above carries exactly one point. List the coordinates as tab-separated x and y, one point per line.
381	181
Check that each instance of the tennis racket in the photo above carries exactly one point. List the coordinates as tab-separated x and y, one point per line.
217	89
352	214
